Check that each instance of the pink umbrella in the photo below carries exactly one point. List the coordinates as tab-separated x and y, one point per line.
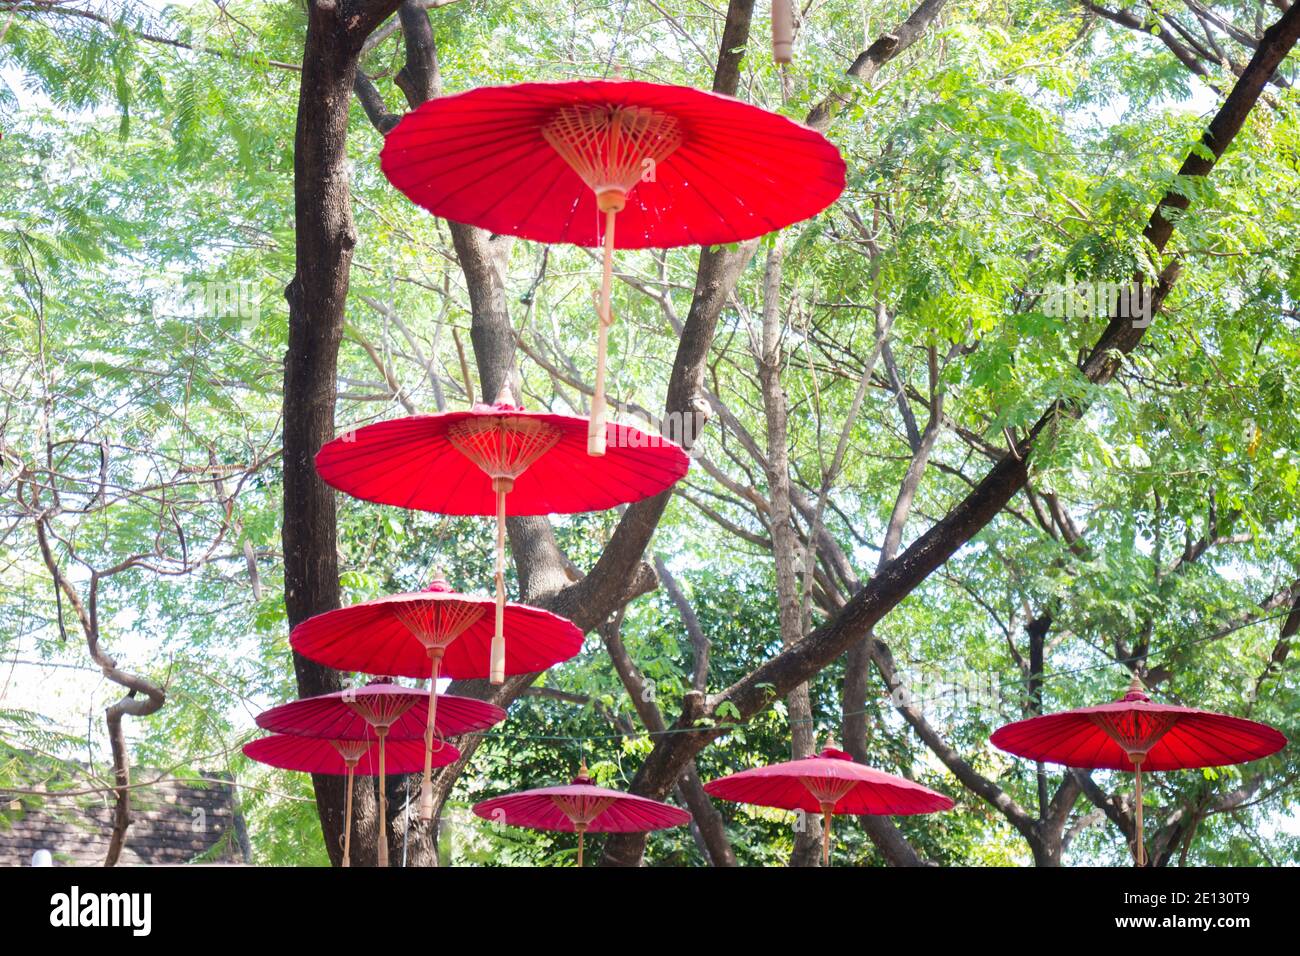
563	162
378	711
828	783
581	807
430	633
1134	734
498	460
349	757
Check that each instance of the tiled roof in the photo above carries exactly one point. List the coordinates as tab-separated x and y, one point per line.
171	822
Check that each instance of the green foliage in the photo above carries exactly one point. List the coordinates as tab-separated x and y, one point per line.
1016	147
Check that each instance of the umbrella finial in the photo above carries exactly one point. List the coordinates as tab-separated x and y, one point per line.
506	395
438	584
1136	689
831	750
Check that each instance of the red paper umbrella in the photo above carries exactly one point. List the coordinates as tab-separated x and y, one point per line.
828	783
1134	734
497	459
348	757
581	807
378	711
433	633
555	162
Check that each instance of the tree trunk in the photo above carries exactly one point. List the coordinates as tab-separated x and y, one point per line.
324	239
785	542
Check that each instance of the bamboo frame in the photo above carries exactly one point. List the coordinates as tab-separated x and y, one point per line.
582	811
827	791
1137	743
436	625
381	711
503	447
351	751
611	148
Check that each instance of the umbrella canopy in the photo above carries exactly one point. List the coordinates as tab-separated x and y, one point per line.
320	755
463	463
1134	734
1160	736
349	757
434	632
581	807
559	162
543	161
378	709
829	783
498	459
399	633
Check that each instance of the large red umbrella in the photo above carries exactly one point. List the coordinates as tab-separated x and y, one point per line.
558	162
378	711
581	807
498	459
347	757
1134	734
828	783
432	633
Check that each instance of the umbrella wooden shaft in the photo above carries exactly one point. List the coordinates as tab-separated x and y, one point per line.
497	663
582	829
1140	851
347	814
827	815
605	316
426	788
382	733
782	31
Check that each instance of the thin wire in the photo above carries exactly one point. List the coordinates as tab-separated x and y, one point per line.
723	729
618	32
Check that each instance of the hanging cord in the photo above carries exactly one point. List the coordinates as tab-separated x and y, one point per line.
618	33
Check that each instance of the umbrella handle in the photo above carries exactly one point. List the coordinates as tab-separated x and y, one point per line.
347	814
426	788
382	732
1140	850
497	663
596	426
826	835
782	31
581	830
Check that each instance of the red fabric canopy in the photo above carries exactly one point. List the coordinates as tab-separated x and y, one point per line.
731	171
411	462
318	755
351	714
564	808
1173	738
388	635
832	777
